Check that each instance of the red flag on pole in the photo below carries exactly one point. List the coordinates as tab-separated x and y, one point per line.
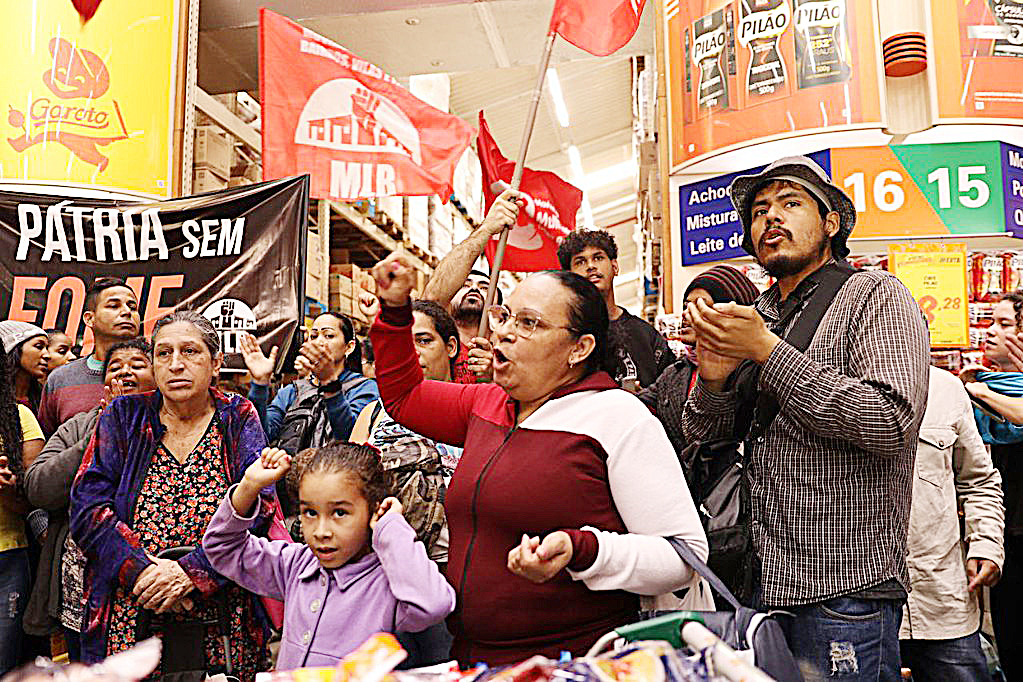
548	216
86	8
346	123
598	26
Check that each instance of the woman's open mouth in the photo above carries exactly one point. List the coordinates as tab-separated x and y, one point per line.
500	359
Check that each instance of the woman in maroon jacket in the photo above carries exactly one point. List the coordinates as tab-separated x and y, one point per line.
567	487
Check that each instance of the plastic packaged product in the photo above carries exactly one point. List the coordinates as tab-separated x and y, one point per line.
371	662
988	273
1013	264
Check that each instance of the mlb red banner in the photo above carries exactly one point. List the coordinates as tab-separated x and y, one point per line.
598	26
549	214
346	123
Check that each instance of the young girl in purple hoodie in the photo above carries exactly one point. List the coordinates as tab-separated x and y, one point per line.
360	571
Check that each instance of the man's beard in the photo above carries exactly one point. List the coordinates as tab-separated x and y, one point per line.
468	311
793	264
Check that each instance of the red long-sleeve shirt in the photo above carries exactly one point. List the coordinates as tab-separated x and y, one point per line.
550	473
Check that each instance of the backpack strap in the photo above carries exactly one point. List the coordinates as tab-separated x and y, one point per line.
808	304
354	382
367	422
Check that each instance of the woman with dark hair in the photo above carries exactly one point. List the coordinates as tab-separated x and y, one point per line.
567	488
21	439
28	358
154	475
322	408
666	397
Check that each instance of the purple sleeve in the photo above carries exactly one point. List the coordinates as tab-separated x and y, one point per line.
424	596
112	547
249	440
256	564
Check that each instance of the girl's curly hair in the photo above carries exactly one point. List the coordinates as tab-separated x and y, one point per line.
361	461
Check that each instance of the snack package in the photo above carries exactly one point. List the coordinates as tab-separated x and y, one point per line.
988	273
1013	270
371	662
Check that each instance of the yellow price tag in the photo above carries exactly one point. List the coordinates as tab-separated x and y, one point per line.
935	274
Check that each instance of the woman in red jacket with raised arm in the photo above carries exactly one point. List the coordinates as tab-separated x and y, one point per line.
567	487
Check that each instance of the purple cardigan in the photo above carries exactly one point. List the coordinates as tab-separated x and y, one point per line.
107	487
328	613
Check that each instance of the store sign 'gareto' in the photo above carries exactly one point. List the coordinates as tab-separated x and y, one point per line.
898	191
75	113
89	104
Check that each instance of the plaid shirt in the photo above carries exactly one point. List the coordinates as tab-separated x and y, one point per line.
831	479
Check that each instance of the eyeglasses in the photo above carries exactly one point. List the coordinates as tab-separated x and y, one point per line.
526	321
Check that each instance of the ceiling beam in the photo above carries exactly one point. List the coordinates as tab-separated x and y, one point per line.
497	45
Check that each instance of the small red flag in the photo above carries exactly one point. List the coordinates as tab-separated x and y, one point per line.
548	216
598	26
86	8
346	123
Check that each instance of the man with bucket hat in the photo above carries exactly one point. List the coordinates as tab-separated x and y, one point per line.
830	366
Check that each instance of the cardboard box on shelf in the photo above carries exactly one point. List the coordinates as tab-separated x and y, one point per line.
340	303
393	208
358	276
213	151
340	284
204	180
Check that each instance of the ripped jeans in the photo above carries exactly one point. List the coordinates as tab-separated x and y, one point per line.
14	585
847	638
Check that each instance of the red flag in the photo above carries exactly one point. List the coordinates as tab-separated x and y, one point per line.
598	26
86	8
346	123
548	216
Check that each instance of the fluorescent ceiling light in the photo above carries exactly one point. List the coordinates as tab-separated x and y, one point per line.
577	164
554	88
611	174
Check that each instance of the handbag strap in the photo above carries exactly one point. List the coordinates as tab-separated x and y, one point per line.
697	564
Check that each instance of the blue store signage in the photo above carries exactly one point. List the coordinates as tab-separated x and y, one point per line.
711	229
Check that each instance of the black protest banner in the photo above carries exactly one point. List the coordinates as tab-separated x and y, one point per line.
236	256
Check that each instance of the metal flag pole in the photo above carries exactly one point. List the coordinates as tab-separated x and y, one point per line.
527	133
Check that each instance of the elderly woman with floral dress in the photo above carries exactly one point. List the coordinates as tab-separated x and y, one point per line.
152	478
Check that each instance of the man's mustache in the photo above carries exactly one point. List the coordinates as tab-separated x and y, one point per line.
763	237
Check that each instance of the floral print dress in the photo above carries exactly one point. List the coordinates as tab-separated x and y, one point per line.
176	503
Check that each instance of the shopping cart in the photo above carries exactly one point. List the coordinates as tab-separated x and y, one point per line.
686	630
184	639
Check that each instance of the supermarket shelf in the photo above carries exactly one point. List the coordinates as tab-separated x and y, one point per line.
421	260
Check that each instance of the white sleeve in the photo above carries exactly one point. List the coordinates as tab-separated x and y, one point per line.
652	497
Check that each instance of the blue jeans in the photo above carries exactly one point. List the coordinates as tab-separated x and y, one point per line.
14	585
847	638
945	660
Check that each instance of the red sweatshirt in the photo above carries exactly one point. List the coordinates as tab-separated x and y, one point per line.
550	473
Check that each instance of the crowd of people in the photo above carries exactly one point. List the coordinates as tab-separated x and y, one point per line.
488	498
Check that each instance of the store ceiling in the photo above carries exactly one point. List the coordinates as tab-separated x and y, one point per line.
490	48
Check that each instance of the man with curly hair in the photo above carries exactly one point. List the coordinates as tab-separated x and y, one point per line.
642	352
